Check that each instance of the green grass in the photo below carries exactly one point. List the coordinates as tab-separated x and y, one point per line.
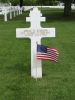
58	82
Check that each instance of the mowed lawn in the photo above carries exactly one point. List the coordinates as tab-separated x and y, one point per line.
58	82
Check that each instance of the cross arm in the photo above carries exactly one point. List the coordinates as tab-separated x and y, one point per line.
23	33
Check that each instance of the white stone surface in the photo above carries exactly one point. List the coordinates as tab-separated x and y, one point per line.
35	33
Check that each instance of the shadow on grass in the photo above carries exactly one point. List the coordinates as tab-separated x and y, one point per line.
20	75
57	15
20	69
15	81
21	17
23	69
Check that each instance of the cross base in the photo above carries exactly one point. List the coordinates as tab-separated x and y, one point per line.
36	65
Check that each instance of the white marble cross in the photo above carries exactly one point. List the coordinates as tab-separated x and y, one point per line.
35	33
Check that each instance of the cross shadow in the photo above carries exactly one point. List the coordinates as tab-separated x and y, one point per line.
57	15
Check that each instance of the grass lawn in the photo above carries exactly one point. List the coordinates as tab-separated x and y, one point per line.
58	82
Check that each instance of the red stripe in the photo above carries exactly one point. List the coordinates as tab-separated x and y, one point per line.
52	54
49	55
46	57
52	49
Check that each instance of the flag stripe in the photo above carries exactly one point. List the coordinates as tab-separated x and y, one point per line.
49	55
46	57
46	53
55	60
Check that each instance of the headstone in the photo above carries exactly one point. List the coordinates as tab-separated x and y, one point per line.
17	10
14	12
5	14
5	17
21	10
35	33
10	13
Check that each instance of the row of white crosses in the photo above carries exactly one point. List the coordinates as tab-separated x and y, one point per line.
16	10
35	33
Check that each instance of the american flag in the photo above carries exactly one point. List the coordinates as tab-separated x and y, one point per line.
46	53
